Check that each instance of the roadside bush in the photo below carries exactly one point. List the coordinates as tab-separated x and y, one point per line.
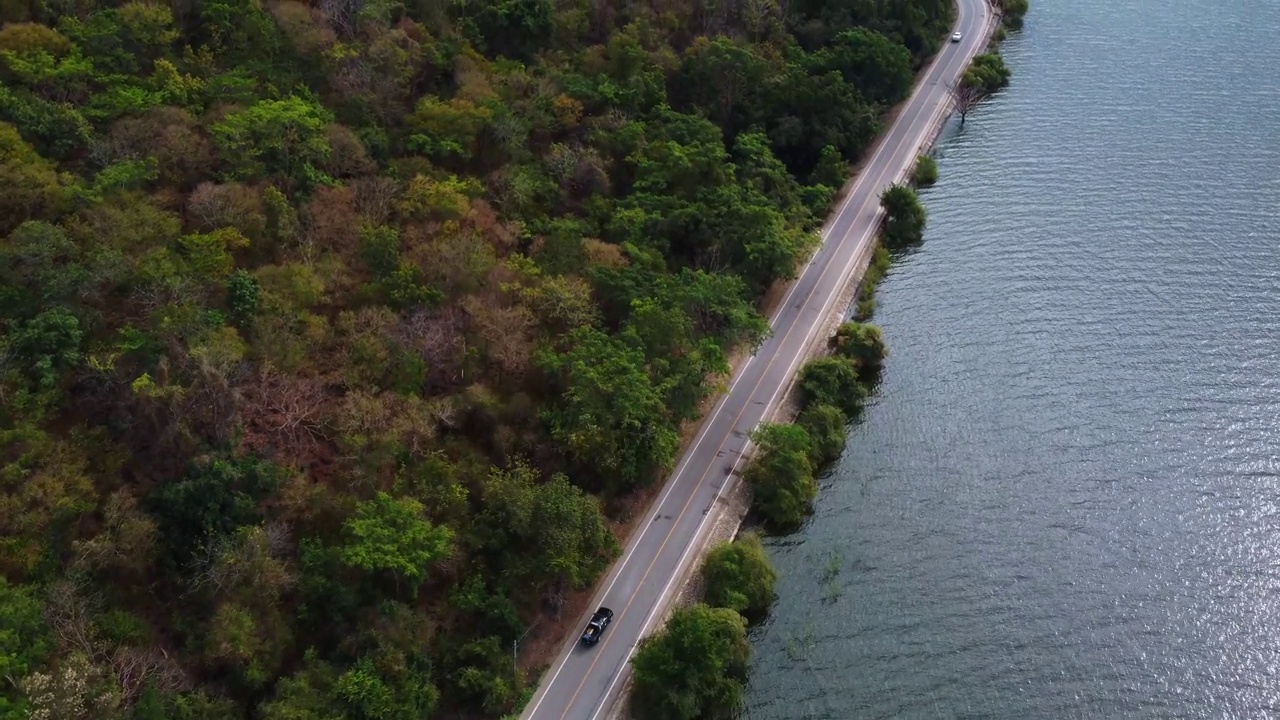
926	172
832	381
876	271
987	72
826	427
905	217
862	343
1014	12
739	576
693	669
781	475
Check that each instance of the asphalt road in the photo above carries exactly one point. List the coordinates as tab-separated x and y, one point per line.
582	681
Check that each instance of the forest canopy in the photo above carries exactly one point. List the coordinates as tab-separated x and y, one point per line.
329	330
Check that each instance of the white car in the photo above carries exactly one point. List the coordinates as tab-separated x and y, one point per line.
955	36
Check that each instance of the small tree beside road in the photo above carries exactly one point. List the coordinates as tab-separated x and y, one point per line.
694	669
904	217
739	576
965	98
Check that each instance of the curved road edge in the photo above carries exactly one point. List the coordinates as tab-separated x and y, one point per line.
582	684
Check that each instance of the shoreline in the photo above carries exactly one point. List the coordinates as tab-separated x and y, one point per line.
728	510
734	501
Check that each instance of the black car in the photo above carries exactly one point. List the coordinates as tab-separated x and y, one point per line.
596	626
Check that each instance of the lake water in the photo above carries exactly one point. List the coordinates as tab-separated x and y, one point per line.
1064	500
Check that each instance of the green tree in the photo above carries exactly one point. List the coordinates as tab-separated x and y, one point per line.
447	128
862	343
809	110
904	216
242	297
216	497
305	695
610	417
1012	12
32	188
48	346
41	267
781	475
549	533
826	427
694	668
124	40
55	129
723	78
987	72
45	487
739	576
392	535
873	63
275	138
24	642
832	381
371	691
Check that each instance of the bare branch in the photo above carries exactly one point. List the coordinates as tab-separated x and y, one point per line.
375	197
964	98
137	668
284	416
70	615
438	336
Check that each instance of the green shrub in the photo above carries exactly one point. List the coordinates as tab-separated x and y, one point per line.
832	381
739	576
862	343
865	309
695	668
926	172
875	272
120	627
826	427
1014	12
987	72
904	217
781	475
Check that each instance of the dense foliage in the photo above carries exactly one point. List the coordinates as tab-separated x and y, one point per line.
738	576
781	475
694	669
925	172
1012	12
862	343
987	72
325	326
881	260
905	217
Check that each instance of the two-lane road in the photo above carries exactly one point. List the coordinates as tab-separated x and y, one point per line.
581	683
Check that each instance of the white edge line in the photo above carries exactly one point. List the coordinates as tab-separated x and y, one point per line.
844	206
698	531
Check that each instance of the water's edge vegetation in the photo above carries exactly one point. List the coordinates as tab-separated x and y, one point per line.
339	338
697	665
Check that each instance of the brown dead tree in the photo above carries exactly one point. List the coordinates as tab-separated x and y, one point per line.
284	411
140	668
439	336
965	98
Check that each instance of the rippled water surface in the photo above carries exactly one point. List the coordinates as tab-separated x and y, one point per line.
1065	498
